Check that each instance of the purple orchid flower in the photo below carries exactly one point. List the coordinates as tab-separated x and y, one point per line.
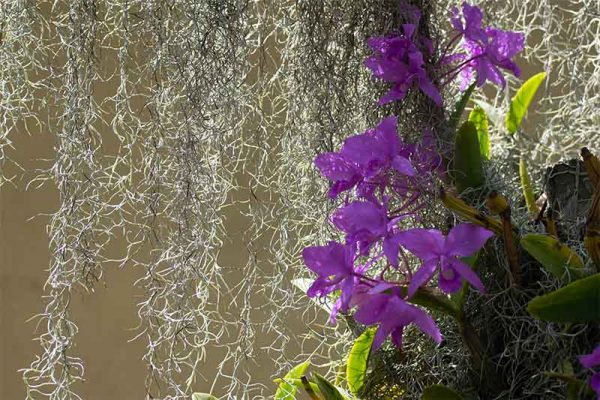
366	223
486	60
334	265
487	49
398	60
471	28
343	174
363	222
392	314
378	150
435	250
590	361
364	159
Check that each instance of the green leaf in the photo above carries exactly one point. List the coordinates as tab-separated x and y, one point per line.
558	259
526	187
203	396
459	108
432	300
440	392
310	388
358	359
491	111
288	386
521	101
328	389
479	118
468	170
576	302
297	382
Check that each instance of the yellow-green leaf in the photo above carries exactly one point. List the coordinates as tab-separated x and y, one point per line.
526	187
468	170
440	392
327	389
479	118
203	396
577	302
492	112
459	108
358	359
287	387
521	101
558	259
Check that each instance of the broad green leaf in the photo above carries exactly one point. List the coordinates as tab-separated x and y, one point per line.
440	392
492	112
468	170
327	389
459	108
526	187
297	382
303	284
577	302
358	359
203	396
310	388
479	118
558	259
521	101
287	387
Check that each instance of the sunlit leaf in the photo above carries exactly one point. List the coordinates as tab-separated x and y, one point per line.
492	112
526	187
521	101
557	258
358	359
327	389
203	396
577	302
288	386
479	118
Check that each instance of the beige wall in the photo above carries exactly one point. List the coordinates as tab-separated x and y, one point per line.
106	317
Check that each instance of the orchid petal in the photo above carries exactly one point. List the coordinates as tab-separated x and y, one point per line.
591	360
333	259
423	243
370	309
422	276
595	384
430	90
391	247
467	273
382	333
465	239
448	284
403	166
397	336
426	324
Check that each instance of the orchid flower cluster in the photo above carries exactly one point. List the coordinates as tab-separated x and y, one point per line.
375	169
407	60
